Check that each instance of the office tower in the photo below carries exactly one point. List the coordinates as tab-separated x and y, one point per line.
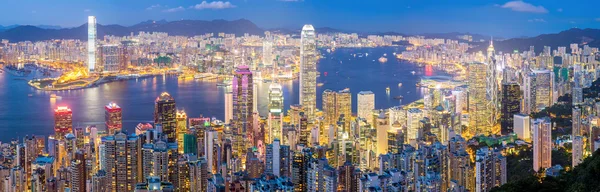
63	122
121	158
479	113
165	116
91	44
277	159
198	175
275	112
459	163
242	108
490	169
348	178
578	149
542	143
491	88
110	58
308	71
329	107
537	90
228	107
181	118
336	104
366	105
113	117
300	163
511	105
522	127
413	119
576	127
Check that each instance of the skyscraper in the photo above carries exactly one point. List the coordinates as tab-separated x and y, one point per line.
91	45
63	122
490	169
308	71
522	126
181	118
275	112
511	105
491	88
537	90
113	118
366	105
578	149
121	157
479	115
110	58
542	143
228	107
336	104
165	115
243	98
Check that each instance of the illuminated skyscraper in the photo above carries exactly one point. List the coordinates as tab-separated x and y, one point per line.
243	97
165	115
578	149
366	104
490	169
275	112
63	122
267	58
91	43
121	158
181	130
228	107
308	71
537	90
511	105
491	89
479	115
542	143
113	118
521	126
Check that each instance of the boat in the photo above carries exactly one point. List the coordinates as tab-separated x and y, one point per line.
319	84
399	84
413	72
387	89
366	54
385	54
52	96
382	59
399	97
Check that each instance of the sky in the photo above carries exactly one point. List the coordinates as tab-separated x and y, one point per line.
488	17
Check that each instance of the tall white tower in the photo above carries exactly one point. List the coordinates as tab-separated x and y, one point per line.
308	71
492	85
91	42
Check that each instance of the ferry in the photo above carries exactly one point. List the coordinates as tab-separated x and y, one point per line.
382	59
413	72
319	84
387	89
399	97
399	84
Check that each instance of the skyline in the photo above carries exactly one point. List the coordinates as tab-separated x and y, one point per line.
517	18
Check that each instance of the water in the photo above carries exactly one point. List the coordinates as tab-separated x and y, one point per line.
22	115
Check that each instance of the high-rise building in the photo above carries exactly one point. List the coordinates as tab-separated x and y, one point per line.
537	90
542	143
308	70
491	89
366	105
578	149
110	58
63	122
413	124
228	107
91	44
113	117
267	57
522	126
479	113
277	159
275	112
78	173
165	116
336	104
511	105
243	96
181	118
490	169
576	126
121	157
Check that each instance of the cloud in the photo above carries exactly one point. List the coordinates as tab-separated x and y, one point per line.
176	9
522	6
560	10
153	7
537	20
213	5
87	10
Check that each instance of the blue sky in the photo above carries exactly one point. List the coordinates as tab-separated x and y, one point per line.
489	17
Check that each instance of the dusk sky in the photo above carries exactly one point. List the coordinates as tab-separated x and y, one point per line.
498	18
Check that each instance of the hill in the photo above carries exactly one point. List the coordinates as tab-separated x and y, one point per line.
182	27
584	177
590	37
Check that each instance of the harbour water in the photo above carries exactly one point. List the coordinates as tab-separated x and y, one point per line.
26	111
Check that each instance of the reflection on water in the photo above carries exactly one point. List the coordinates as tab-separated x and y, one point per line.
21	115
